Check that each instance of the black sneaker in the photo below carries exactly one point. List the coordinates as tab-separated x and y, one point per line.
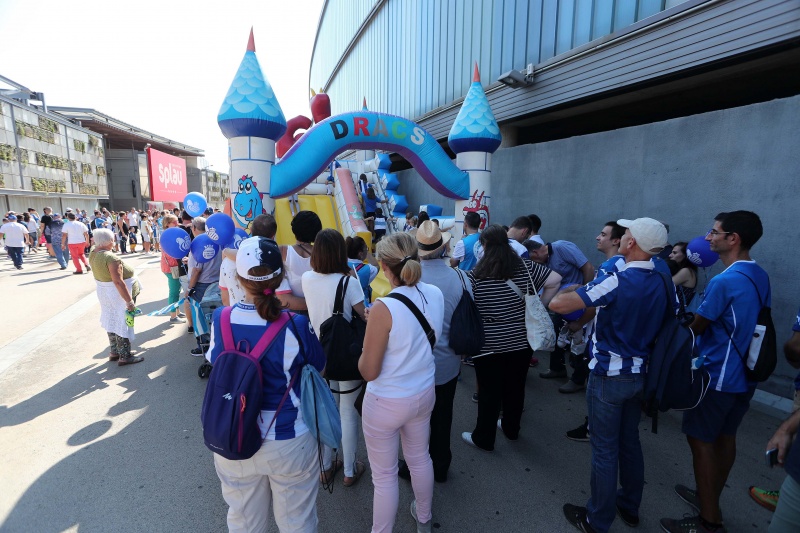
690	524
629	519
198	352
689	496
577	517
580	433
190	330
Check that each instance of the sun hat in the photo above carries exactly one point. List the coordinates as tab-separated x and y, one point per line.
430	239
650	234
255	252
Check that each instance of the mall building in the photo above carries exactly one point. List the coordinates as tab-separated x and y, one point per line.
81	158
672	109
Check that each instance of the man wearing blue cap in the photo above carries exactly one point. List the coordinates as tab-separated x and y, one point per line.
16	237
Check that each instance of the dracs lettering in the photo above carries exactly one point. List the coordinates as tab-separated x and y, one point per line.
361	127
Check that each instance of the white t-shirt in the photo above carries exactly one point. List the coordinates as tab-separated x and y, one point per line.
229	282
75	231
14	234
320	291
408	366
33	226
133	219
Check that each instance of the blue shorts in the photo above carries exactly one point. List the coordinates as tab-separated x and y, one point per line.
720	413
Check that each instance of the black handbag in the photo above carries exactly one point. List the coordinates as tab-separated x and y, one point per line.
466	326
342	341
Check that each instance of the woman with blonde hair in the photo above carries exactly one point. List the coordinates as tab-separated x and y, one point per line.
397	362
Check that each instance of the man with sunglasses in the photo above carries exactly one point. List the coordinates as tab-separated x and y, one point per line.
724	325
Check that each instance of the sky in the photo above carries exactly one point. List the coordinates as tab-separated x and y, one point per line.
163	66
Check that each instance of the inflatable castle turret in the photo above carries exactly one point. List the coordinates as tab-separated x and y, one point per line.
252	121
474	137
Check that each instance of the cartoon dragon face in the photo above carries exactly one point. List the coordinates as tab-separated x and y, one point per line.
475	205
248	200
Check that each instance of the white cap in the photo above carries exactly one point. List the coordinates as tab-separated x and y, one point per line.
650	234
258	251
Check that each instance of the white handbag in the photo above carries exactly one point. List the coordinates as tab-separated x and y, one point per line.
541	334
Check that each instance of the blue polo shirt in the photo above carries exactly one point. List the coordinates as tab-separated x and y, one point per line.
631	305
469	242
731	302
567	259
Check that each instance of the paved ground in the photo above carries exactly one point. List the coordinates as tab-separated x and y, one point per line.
88	446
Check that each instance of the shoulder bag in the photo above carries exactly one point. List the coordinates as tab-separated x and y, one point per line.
541	334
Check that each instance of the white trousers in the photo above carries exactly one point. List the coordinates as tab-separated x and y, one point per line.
283	474
350	418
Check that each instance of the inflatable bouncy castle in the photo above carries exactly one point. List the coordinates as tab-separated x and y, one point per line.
275	167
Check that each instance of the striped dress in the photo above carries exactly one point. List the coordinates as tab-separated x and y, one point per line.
503	312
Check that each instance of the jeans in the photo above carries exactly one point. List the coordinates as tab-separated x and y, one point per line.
501	382
787	514
441	423
16	254
384	420
614	411
350	418
62	254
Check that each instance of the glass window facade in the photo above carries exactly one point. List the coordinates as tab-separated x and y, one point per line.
413	57
42	155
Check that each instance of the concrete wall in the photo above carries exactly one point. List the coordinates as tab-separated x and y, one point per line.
682	171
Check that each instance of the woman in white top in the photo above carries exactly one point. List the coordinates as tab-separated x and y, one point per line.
147	233
329	264
297	257
397	361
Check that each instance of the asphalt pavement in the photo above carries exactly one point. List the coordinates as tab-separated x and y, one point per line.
86	445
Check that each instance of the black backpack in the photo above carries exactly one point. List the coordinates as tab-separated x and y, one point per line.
466	326
341	340
762	354
671	382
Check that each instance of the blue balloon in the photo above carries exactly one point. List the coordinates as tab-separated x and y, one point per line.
238	236
204	249
220	228
176	242
698	251
195	204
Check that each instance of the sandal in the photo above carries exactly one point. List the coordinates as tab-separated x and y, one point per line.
359	470
326	476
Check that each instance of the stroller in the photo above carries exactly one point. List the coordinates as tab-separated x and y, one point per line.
201	316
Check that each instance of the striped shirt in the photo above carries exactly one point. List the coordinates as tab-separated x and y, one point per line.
631	305
503	312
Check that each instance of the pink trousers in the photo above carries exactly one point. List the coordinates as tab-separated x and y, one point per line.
384	420
78	256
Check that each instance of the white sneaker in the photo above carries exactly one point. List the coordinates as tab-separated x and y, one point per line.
563	337
421	528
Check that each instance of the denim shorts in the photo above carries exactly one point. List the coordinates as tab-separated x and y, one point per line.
720	413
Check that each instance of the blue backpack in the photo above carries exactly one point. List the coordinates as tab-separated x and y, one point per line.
232	403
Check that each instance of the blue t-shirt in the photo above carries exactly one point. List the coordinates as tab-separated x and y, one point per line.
363	272
612	264
469	261
370	204
280	363
567	259
731	302
631	305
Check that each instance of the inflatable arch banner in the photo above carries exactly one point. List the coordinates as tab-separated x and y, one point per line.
367	130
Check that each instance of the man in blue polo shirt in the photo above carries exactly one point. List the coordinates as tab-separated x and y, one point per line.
567	259
631	306
464	251
724	325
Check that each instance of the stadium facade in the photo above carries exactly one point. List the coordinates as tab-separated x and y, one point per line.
675	110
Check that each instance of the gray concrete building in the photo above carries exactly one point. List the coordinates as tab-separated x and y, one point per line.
663	108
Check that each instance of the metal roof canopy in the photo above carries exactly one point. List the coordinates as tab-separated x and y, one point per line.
119	134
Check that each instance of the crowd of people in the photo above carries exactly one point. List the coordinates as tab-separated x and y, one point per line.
606	320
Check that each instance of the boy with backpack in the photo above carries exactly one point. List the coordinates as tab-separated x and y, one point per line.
631	305
724	325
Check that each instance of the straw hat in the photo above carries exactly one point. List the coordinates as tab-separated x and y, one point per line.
430	239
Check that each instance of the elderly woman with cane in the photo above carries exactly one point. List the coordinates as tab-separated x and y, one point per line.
117	289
